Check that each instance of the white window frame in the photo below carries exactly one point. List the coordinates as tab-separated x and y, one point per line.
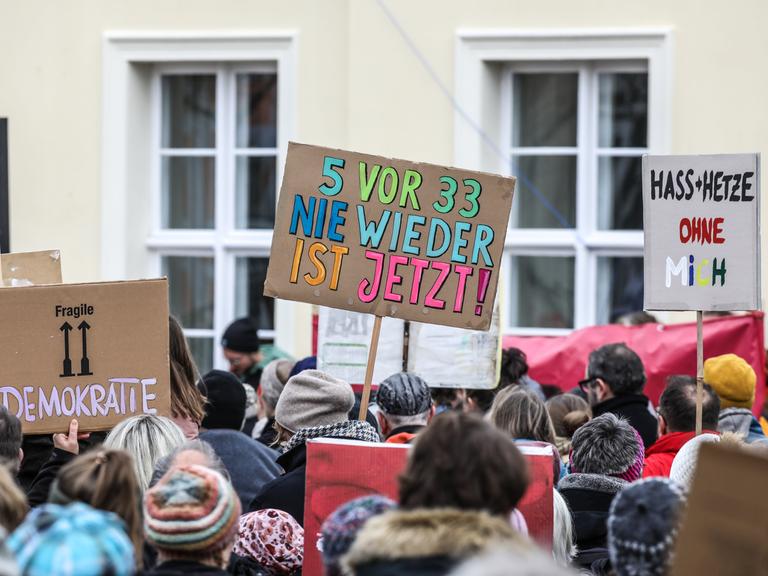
484	62
121	89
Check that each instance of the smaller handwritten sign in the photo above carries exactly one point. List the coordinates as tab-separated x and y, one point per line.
701	218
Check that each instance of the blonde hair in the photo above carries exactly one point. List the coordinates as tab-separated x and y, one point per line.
563	537
13	503
147	438
522	415
104	479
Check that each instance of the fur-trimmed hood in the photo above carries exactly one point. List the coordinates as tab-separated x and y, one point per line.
594	482
433	532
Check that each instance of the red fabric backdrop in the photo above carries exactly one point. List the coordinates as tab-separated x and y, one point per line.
665	350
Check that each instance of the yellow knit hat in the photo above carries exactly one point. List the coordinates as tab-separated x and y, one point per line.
732	379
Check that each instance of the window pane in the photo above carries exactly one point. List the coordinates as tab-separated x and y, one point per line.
256	110
188	192
619	287
545	109
620	194
190	284
202	351
250	274
623	110
189	111
542	291
555	179
255	190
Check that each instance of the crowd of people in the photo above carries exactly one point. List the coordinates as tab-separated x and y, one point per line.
219	486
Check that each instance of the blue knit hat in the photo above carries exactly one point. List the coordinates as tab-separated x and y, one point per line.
72	540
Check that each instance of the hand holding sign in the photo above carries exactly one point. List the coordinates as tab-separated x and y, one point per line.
68	442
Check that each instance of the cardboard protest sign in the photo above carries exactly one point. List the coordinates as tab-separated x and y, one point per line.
701	217
341	470
96	352
389	237
30	268
445	357
725	526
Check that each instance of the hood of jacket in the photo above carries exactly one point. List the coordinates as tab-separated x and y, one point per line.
594	482
589	497
741	421
428	533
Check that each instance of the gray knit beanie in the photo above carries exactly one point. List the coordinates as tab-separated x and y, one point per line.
607	445
313	398
642	527
404	394
273	379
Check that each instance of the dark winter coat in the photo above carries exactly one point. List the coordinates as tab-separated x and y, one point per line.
184	568
38	449
41	485
251	465
636	408
589	497
268	433
426	542
287	491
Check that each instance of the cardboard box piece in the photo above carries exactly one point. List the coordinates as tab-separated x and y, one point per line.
30	268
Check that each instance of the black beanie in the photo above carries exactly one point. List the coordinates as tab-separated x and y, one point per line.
241	336
226	401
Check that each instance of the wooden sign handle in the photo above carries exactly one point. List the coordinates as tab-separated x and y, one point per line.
699	368
369	368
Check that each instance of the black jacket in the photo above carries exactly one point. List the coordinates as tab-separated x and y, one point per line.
38	449
636	409
41	485
184	568
286	492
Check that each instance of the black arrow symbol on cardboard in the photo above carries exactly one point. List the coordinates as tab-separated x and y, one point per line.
85	367
67	365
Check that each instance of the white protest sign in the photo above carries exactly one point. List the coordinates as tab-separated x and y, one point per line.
701	218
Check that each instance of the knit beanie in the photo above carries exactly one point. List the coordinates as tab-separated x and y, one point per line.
308	363
226	395
273	379
404	394
273	539
313	398
609	446
241	336
72	540
642	527
684	464
339	530
191	509
733	379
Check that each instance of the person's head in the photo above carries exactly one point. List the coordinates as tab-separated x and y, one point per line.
313	398
186	399
684	464
608	446
642	526
77	539
404	400
733	379
506	561
273	380
479	400
147	438
568	413
613	370
446	399
306	363
240	344
461	461
103	479
514	365
522	415
10	440
13	503
677	406
192	514
225	407
273	539
191	452
564	533
342	525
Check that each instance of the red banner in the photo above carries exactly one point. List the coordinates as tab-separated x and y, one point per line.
665	349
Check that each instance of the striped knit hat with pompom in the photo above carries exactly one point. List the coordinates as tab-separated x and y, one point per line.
193	509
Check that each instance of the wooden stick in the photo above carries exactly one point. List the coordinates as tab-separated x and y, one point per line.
699	368
369	368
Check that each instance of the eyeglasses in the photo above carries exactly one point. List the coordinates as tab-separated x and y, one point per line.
587	384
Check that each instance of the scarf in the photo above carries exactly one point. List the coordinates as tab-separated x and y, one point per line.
350	429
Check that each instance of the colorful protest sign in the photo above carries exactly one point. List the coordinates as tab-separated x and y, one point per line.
445	357
341	470
701	218
96	352
726	520
30	268
389	237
